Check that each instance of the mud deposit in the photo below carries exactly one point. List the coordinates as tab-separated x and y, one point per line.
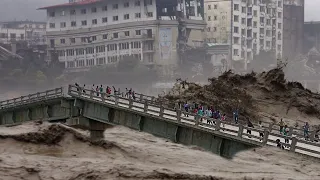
57	152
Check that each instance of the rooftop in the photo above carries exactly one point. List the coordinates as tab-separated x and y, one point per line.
78	3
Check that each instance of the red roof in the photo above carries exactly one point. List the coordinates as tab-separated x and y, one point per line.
79	3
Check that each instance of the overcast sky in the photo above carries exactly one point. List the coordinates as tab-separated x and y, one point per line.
26	9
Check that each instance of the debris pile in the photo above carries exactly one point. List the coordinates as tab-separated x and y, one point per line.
249	93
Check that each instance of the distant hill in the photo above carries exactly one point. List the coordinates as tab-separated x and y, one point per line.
25	9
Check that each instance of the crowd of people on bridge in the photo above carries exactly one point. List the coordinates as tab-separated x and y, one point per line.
107	91
209	114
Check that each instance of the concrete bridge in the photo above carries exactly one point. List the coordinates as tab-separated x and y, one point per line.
94	111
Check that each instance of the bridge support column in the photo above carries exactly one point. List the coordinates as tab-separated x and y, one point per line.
96	129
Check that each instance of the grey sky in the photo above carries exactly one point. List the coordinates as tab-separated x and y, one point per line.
26	9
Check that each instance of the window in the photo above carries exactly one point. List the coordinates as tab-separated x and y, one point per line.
93	10
209	18
268	11
73	12
268	44
214	29
236	7
137	3
126	17
115	35
105	8
83	11
73	23
13	35
101	61
80	63
127	33
52	25
94	21
22	36
236	18
126	4
112	47
255	24
279	15
90	62
243	32
209	7
72	40
215	6
255	13
236	52
262	9
268	33
100	49
261	30
105	19
138	32
147	2
115	18
279	25
89	50
94	38
268	22
255	35
62	13
243	9
105	36
279	47
138	15
236	29
62	24
215	18
123	46
70	52
280	3
83	39
150	14
112	59
261	20
279	36
115	6
136	45
52	14
70	64
243	21
61	53
83	23
236	40
208	29
62	41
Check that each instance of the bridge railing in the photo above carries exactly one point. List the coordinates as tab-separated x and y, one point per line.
224	127
39	96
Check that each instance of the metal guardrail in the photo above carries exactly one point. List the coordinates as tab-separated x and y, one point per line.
269	137
36	97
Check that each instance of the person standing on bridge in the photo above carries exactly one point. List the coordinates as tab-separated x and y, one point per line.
306	130
285	133
93	88
250	125
261	128
97	90
186	109
77	86
281	124
84	89
101	90
236	116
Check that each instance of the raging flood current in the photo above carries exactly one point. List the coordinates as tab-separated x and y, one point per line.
57	152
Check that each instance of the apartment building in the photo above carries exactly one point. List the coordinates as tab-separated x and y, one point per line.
97	32
30	31
249	26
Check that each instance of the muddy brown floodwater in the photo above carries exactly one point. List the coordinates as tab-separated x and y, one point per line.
57	152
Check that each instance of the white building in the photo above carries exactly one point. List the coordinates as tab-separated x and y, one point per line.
100	32
249	26
30	31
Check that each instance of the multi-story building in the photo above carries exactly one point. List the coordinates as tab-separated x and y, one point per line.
249	26
96	32
293	23
30	31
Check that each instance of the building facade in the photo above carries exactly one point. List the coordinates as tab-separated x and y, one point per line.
293	23
97	32
30	31
249	26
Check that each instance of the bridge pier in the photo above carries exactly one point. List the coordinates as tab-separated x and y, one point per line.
96	129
